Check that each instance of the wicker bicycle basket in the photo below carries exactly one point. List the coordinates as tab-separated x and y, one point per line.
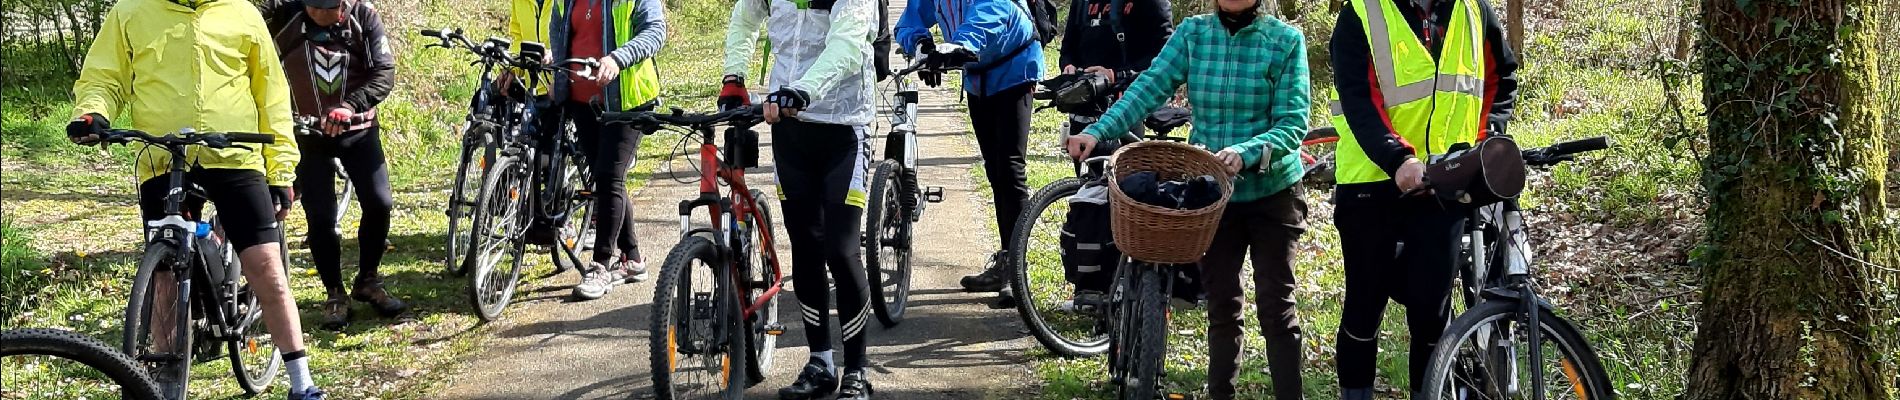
1158	234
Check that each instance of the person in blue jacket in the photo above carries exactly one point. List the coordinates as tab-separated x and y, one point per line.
995	43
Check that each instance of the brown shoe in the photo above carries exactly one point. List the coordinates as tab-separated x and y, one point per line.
336	312
371	291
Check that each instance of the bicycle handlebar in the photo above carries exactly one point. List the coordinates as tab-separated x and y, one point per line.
216	140
740	117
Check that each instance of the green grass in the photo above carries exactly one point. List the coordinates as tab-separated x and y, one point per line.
71	221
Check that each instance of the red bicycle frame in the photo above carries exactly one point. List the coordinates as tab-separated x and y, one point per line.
743	206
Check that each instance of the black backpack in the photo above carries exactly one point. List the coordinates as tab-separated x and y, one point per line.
1042	13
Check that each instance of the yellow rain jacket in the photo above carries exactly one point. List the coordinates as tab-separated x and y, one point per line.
528	22
163	66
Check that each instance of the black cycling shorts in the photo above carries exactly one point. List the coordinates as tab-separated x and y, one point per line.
241	195
823	162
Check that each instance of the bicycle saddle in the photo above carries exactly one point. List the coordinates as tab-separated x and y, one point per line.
1167	118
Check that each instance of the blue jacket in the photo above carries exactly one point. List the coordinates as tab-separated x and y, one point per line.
999	31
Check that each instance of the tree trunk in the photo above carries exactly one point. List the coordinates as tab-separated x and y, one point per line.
1799	257
1685	30
1515	27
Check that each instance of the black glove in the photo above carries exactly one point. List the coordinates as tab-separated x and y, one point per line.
732	95
954	56
789	98
89	124
924	46
931	78
281	196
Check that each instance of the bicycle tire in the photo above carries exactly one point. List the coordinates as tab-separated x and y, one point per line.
673	294
1588	382
251	379
136	318
574	238
760	343
1322	169
886	208
1028	305
460	207
131	378
488	295
1150	335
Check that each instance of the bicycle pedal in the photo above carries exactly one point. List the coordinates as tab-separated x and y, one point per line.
933	194
775	329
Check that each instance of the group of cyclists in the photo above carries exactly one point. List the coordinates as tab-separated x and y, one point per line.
1436	73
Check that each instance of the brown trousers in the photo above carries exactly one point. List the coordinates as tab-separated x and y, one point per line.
1266	228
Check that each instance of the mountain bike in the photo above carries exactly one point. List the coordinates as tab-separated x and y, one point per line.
1508	341
529	177
217	302
25	350
1043	295
715	308
896	202
490	114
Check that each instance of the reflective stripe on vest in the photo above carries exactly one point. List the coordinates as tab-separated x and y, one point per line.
1431	103
640	82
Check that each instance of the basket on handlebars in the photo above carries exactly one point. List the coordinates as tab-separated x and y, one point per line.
1159	234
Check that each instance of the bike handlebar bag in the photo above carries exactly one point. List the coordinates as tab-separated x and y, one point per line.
742	148
1489	172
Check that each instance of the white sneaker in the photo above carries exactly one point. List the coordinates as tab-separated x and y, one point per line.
595	282
634	271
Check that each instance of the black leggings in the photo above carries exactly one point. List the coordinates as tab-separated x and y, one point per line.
1001	124
820	171
1416	274
610	153
361	154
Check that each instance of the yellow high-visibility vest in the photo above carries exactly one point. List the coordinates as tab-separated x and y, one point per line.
1432	103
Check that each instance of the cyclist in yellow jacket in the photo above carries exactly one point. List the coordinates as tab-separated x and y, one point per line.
206	65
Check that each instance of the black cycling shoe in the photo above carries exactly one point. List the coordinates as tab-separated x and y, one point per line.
814	382
993	277
855	387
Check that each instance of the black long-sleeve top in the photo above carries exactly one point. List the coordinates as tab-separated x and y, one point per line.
1089	41
368	68
1359	91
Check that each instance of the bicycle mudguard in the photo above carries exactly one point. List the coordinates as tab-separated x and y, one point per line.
1512	295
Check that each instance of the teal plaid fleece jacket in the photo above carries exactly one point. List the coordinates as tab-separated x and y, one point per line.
1249	91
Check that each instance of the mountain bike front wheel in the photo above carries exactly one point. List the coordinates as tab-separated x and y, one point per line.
887	244
1486	354
497	254
697	339
158	331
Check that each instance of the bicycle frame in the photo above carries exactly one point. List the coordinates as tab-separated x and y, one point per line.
1514	285
742	206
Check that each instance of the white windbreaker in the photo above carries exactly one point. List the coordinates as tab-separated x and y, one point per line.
825	52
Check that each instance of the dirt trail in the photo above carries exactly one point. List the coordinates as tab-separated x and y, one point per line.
951	346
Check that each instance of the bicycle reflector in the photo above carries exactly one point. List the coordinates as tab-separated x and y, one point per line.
1489	172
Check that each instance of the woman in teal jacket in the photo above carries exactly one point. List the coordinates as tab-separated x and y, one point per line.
1246	77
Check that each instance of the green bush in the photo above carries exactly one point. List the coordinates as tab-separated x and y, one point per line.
21	270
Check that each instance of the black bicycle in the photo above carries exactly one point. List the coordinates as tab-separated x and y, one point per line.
1508	343
216	302
528	176
100	369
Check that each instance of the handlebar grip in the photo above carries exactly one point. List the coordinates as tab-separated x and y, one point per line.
434	33
251	138
1581	145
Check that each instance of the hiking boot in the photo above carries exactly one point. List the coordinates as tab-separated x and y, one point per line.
371	291
336	312
855	387
596	281
993	277
815	381
309	394
1086	302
